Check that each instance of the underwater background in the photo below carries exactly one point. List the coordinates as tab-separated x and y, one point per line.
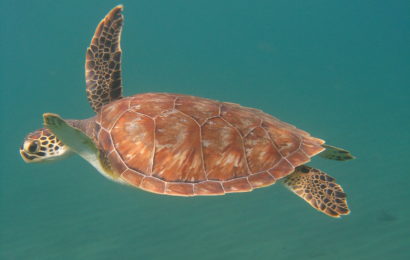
337	69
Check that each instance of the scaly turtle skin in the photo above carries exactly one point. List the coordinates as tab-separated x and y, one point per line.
182	145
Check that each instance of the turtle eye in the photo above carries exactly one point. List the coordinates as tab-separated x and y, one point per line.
34	146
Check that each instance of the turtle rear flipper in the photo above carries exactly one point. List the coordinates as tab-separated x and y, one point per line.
319	190
336	153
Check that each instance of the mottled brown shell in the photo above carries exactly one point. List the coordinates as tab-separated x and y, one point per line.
183	145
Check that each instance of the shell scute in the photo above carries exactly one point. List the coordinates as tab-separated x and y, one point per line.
179	189
242	119
237	185
152	105
281	169
208	188
298	158
286	141
105	141
260	151
223	151
153	185
199	109
132	177
312	148
133	137
109	114
261	179
178	154
117	164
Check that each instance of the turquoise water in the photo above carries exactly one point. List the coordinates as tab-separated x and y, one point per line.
339	70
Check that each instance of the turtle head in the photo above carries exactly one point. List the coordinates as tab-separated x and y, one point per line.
41	146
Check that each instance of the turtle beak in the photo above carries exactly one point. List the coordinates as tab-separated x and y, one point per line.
26	157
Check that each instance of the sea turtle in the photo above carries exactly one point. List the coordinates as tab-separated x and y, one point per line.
182	145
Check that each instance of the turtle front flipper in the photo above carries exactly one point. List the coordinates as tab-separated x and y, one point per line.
336	153
319	190
103	61
73	138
